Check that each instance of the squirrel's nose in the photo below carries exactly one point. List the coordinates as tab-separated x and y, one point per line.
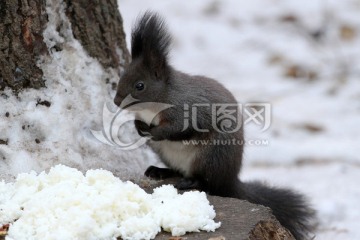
118	99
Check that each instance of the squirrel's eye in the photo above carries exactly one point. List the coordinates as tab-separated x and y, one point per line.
140	86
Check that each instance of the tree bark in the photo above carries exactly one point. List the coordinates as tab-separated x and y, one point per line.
21	42
99	27
96	24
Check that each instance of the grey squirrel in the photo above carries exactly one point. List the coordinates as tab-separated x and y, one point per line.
212	168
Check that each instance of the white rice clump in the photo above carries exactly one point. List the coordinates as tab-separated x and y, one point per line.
65	204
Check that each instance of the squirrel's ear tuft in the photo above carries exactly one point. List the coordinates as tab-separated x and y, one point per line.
151	41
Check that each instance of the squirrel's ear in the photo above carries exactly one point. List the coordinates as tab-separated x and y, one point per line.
151	41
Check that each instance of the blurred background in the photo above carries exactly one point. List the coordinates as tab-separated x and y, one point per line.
302	57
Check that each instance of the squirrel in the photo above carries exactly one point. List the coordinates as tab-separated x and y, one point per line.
212	168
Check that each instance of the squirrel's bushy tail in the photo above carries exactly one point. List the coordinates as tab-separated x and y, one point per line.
290	208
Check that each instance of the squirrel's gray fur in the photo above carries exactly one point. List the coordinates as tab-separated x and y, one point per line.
211	168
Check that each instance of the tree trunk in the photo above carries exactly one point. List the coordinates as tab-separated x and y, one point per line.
96	24
21	26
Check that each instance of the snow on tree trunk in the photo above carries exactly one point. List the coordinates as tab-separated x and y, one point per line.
60	63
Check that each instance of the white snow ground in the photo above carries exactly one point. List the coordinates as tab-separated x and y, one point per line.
248	46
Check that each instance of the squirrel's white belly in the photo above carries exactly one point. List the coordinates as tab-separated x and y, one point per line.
175	154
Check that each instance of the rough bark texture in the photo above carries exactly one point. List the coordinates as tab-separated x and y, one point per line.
21	42
239	219
99	27
97	24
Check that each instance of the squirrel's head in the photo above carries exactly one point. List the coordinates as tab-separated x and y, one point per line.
146	77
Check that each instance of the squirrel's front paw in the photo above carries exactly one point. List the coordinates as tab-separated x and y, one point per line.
142	128
156	134
160	173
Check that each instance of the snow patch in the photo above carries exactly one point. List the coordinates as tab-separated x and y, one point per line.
65	204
